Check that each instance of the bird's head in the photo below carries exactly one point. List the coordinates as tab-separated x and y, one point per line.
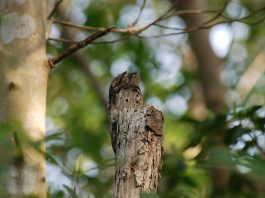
125	80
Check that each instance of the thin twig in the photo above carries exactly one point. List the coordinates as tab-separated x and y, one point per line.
89	28
169	28
241	20
202	26
217	15
140	13
55	8
62	40
157	20
111	41
181	30
84	63
135	30
256	22
130	30
189	12
77	46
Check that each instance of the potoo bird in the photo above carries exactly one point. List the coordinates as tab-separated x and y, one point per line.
124	81
136	131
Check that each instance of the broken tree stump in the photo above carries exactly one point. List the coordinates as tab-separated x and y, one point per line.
137	135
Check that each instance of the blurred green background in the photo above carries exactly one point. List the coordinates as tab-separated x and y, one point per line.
208	126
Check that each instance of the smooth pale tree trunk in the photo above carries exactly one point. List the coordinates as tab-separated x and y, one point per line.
23	84
209	75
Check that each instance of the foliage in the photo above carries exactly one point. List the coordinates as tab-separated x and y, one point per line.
73	106
80	161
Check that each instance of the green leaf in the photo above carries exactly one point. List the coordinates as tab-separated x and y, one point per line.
71	191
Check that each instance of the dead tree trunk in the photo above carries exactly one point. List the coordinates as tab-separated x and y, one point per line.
137	134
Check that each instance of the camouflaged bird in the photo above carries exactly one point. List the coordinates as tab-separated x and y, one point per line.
136	131
126	81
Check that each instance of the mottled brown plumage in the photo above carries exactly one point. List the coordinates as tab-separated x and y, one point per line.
136	133
126	81
154	120
123	81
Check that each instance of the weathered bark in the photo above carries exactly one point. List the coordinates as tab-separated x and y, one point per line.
137	134
23	76
209	74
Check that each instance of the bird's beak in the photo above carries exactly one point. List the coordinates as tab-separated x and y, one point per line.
124	73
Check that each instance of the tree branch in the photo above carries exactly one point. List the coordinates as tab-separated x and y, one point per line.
203	26
131	30
139	14
77	46
84	63
217	15
54	8
135	30
62	40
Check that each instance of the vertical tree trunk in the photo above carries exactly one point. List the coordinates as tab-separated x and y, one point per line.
137	134
208	62
209	74
23	76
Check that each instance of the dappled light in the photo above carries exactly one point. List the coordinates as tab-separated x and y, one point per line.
201	67
169	81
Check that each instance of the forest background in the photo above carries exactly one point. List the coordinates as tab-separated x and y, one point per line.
201	63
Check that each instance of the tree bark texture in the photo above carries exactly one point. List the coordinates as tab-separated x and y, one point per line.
209	74
137	134
23	84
